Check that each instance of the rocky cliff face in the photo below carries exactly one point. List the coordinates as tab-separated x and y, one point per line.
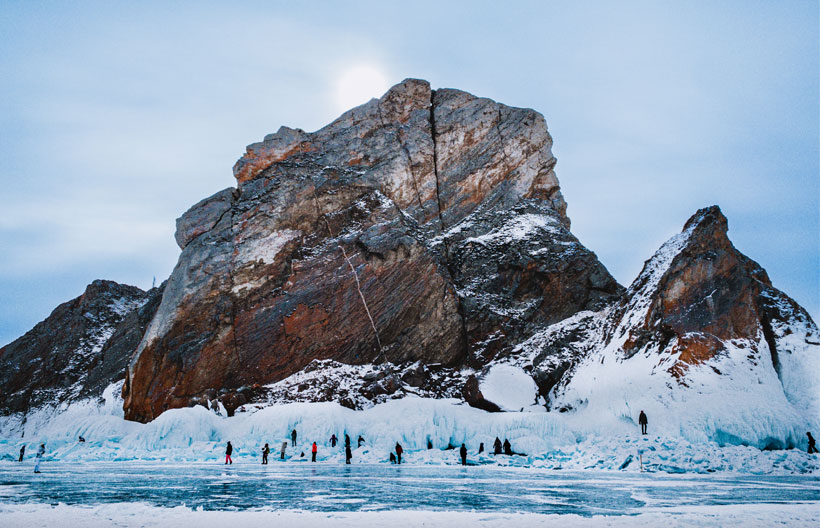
81	348
700	336
426	228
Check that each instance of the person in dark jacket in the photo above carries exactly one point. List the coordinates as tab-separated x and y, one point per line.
347	440
507	447
643	422
265	453
481	447
22	453
812	445
497	446
333	440
348	454
313	451
293	438
392	458
361	441
228	452
463	452
399	451
429	444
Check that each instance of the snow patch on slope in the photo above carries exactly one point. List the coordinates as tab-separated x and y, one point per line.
520	227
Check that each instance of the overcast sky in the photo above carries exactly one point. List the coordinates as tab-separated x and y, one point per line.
116	117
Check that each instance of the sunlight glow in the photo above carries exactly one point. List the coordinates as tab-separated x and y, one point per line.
358	85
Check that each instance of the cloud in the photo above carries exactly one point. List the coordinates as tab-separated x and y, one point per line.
115	118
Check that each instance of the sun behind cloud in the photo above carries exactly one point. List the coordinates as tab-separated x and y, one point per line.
358	85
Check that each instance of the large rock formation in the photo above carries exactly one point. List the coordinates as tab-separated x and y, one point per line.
81	348
426	226
419	244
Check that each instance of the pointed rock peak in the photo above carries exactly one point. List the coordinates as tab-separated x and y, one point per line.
402	99
100	288
707	219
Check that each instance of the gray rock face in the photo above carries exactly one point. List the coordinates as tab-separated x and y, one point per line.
357	244
81	348
202	217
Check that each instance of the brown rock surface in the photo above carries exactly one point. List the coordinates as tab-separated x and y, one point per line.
710	294
356	244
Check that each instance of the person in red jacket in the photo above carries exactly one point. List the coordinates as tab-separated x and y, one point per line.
313	451
399	451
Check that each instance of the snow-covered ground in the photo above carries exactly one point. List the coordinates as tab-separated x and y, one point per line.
140	515
542	439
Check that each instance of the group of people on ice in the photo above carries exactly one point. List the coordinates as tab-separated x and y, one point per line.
41	451
395	456
499	447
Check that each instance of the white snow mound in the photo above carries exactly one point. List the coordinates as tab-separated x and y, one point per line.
509	387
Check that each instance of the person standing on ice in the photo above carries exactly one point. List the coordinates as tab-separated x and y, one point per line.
497	446
361	441
463	452
228	452
812	445
293	437
333	440
283	449
22	452
399	451
643	422
347	440
313	451
265	453
39	457
507	447
348	454
480	448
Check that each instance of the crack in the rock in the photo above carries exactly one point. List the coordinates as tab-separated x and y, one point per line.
349	263
435	169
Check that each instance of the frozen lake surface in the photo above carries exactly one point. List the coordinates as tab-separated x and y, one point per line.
379	487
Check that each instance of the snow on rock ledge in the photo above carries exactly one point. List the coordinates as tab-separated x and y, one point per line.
509	387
